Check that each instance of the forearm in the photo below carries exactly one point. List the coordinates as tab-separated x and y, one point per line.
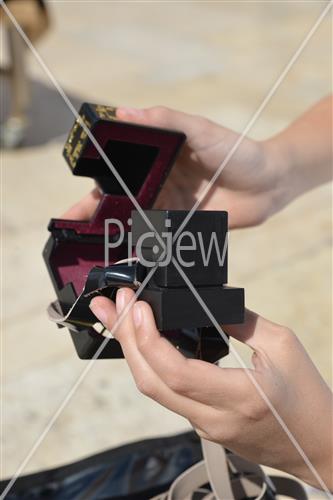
303	152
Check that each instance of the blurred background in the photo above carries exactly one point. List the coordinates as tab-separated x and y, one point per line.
214	59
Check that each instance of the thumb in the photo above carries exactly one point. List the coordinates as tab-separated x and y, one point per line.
160	116
256	331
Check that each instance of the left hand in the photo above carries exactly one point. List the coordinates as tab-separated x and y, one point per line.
222	404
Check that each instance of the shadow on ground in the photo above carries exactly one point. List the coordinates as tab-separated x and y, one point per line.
48	115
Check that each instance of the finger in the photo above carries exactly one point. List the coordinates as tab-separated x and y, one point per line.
195	379
85	208
256	331
146	379
160	116
105	311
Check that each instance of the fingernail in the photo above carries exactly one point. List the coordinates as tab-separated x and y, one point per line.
99	312
120	300
137	315
124	112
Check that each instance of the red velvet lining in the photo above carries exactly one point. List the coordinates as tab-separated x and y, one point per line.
72	261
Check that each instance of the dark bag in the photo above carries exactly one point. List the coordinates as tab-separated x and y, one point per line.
171	468
136	471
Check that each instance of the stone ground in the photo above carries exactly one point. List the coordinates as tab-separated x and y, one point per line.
214	59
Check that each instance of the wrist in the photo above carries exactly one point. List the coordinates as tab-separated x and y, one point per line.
279	168
318	445
323	467
325	472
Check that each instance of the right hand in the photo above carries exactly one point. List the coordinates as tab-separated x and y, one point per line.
232	406
249	187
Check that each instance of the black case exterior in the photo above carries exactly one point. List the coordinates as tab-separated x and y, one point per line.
204	240
204	236
178	306
77	140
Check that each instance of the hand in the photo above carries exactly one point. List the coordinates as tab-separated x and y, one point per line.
260	178
223	404
248	187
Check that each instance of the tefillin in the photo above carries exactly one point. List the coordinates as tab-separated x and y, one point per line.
175	259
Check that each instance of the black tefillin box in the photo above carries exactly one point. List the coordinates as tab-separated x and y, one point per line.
180	257
194	264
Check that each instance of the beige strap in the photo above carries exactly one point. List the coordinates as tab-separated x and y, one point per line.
217	470
253	481
186	483
192	480
247	485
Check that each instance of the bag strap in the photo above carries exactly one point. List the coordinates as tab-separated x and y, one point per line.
214	469
186	483
217	469
230	477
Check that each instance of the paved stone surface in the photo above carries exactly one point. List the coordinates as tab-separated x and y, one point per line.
214	59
